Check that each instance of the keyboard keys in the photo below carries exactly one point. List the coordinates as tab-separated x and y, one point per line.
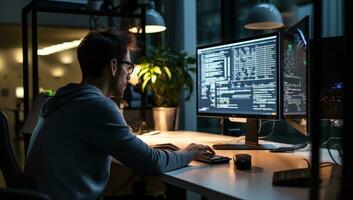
213	159
293	177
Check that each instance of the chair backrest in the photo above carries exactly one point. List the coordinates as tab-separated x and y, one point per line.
8	163
32	120
20	194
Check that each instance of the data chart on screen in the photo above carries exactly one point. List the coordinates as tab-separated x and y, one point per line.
239	78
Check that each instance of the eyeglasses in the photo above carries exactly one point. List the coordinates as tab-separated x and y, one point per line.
131	65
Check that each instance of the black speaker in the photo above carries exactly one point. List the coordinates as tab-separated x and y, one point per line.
242	161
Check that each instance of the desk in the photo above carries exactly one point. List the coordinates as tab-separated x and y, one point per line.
224	181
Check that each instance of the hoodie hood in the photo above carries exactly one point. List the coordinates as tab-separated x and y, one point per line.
67	94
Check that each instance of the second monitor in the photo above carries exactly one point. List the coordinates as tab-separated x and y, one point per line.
240	79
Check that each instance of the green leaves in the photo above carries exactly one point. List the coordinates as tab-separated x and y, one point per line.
167	72
157	70
190	60
145	82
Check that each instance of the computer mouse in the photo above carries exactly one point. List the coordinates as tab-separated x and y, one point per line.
242	161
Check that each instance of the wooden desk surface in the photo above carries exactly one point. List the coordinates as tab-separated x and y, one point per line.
224	181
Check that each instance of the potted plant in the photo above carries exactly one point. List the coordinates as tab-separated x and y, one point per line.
166	73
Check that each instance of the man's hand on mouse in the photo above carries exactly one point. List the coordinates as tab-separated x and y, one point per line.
198	149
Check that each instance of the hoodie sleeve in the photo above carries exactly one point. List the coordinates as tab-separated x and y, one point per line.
109	132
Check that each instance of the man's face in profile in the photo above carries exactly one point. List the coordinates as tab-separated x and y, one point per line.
120	80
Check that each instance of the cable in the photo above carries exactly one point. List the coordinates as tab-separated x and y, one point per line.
326	164
321	164
329	152
260	127
327	143
331	138
307	161
221	122
340	152
272	130
258	132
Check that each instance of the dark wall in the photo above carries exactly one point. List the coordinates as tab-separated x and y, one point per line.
333	68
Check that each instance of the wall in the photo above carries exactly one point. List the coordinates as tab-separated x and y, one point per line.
181	33
10	13
189	45
180	18
11	51
11	75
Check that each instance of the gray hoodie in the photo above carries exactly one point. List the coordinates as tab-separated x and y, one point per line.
70	155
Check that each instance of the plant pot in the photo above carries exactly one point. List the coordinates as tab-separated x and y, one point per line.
166	118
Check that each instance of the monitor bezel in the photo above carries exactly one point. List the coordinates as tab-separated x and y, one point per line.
278	76
305	20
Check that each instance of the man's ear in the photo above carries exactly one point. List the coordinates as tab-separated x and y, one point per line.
114	66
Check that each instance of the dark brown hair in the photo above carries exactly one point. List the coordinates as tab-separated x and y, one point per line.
98	48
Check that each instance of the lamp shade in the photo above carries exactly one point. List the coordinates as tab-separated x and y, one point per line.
264	16
154	21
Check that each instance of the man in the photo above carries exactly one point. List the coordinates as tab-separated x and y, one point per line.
70	152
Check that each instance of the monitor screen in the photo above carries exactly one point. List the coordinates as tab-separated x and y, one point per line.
296	76
239	78
295	69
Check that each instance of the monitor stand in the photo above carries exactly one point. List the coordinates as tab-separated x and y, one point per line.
251	140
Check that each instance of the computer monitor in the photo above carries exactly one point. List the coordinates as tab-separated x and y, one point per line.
296	76
240	79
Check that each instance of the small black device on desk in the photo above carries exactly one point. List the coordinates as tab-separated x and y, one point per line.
299	177
242	161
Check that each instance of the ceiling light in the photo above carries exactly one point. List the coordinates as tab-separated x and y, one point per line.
264	16
18	55
58	47
58	72
154	21
66	58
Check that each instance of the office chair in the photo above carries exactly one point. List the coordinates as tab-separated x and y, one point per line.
20	194
8	163
11	170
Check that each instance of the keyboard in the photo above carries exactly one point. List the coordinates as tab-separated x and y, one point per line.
213	159
293	177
